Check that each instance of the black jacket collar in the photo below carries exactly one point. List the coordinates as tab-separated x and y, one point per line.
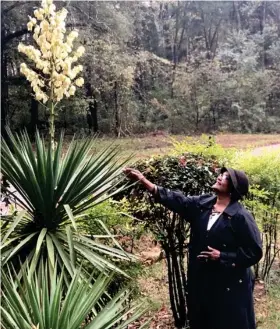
208	201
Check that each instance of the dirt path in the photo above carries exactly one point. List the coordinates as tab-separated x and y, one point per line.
267	148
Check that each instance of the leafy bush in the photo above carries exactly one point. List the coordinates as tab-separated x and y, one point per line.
115	216
112	218
263	170
190	173
267	218
205	146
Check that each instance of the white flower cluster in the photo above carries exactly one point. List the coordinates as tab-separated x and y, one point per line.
54	57
36	82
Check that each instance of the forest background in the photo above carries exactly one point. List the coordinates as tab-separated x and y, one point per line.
178	66
152	69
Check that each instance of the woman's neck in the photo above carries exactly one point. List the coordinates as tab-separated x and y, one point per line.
223	200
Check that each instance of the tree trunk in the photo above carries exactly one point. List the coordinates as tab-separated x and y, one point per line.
237	15
175	50
139	83
93	109
4	90
174	250
278	21
262	19
196	107
92	118
33	117
117	115
166	33
212	109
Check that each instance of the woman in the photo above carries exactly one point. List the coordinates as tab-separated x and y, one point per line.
224	243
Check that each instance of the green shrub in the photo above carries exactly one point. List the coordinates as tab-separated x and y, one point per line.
263	170
124	229
266	216
116	218
113	214
192	174
205	146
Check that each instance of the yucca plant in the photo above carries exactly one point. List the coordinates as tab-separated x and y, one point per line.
41	301
54	190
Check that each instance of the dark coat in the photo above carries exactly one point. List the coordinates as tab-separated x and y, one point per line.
220	293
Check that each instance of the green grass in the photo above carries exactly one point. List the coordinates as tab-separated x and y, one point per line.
160	144
274	308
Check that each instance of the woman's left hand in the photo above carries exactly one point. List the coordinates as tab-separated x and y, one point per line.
213	254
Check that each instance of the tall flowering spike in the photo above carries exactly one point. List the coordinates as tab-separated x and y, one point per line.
53	75
55	54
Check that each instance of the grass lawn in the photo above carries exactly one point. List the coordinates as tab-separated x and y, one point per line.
158	144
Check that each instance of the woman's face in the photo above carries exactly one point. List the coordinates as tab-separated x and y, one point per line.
222	184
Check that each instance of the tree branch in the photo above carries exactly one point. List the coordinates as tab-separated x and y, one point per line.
22	32
12	36
93	24
16	4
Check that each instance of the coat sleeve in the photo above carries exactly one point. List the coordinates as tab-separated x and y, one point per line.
250	249
176	201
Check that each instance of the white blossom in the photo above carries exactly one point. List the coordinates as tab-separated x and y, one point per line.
54	56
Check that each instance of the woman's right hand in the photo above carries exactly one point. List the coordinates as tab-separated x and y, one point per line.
136	175
133	174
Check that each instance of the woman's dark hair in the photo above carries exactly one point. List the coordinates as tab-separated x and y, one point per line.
234	195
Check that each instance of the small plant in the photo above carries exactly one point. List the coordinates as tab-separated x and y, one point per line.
205	146
116	217
263	170
267	217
